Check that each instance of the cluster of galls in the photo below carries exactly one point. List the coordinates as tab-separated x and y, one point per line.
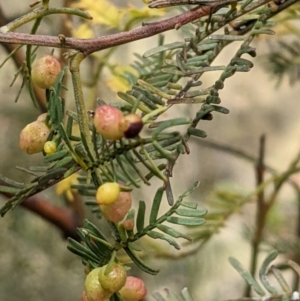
108	120
111	124
104	281
114	204
33	138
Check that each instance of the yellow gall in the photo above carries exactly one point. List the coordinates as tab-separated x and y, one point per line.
107	193
50	147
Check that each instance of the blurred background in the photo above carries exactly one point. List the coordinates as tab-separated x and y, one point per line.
34	260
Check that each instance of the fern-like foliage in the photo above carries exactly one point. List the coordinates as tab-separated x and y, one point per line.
167	75
265	289
283	58
285	61
266	286
96	251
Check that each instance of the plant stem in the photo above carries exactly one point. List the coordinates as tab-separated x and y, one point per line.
80	106
88	46
40	13
262	209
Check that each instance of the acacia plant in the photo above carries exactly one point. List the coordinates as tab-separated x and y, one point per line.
123	145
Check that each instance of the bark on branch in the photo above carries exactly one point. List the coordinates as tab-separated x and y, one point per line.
88	46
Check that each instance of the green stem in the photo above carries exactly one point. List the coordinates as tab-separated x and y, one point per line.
42	12
80	106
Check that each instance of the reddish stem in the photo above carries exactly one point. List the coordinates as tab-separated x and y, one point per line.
88	46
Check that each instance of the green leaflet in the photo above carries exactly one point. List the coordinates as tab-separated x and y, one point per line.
56	156
186	294
171	296
80	253
11	182
263	272
64	161
134	247
71	170
130	99
140	220
139	263
93	229
279	277
171	122
220	109
190	212
157	235
226	37
190	190
155	205
262	31
127	173
172	232
122	232
163	48
189	205
101	248
158	297
89	244
81	250
247	276
93	248
8	189
38	168
185	221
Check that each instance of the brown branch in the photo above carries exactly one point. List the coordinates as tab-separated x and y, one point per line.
88	46
261	211
65	219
